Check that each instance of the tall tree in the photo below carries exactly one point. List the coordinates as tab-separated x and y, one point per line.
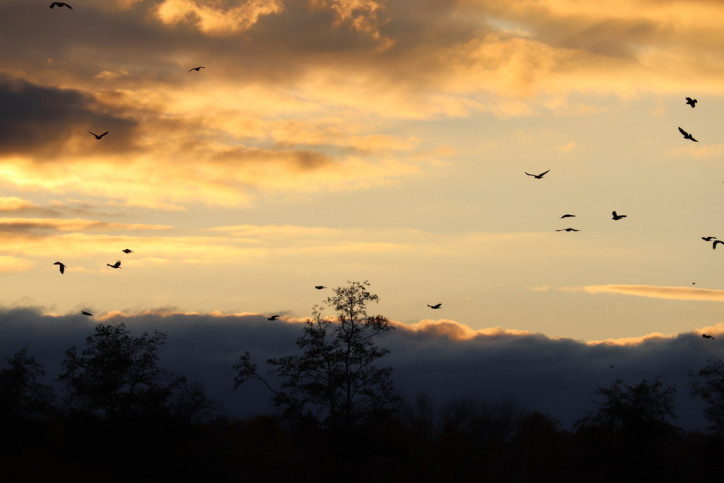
335	377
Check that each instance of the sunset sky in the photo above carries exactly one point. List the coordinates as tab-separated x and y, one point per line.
380	140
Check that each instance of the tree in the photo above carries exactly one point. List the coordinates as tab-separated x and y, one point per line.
21	392
708	384
335	377
642	410
117	375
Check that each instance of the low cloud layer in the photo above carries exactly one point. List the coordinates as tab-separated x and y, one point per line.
443	359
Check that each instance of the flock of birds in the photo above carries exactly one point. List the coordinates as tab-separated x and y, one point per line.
615	216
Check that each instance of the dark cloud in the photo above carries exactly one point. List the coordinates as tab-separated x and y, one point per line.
556	376
43	119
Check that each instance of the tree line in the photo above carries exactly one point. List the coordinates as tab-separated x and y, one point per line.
337	417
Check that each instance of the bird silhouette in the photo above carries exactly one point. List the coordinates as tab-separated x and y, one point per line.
127	250
568	215
83	312
708	238
568	229
687	135
115	265
691	102
707	336
197	68
98	136
60	4
713	245
436	306
537	176
319	287
617	216
61	266
273	317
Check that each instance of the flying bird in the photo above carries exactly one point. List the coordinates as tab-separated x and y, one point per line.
197	68
713	245
691	102
708	238
98	136
115	265
61	266
319	287
568	229
537	176
617	216
687	135
273	317
568	215
707	336
127	250
436	306
60	4
86	313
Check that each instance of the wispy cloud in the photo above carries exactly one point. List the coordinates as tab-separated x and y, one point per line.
670	293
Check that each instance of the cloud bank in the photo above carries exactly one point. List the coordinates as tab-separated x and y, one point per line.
443	359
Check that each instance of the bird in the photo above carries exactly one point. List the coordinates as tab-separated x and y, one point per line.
612	366
708	238
273	317
115	265
98	136
707	336
691	102
537	176
197	68
616	216
568	215
127	250
61	266
60	4
319	287
713	245
687	135
568	229
86	313
436	306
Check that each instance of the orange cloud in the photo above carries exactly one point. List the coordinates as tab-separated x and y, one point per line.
456	331
652	291
209	17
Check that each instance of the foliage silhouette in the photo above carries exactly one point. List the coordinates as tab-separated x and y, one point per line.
335	378
117	376
708	384
21	392
640	410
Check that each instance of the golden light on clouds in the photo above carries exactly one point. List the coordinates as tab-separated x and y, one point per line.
211	17
670	293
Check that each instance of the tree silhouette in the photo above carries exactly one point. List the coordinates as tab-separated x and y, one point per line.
708	384
117	375
334	378
642	410
21	392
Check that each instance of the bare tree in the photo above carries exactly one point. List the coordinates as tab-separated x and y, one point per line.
335	377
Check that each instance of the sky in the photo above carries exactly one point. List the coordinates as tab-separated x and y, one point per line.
383	140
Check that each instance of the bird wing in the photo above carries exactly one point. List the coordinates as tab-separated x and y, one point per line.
104	134
544	172
683	132
91	132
